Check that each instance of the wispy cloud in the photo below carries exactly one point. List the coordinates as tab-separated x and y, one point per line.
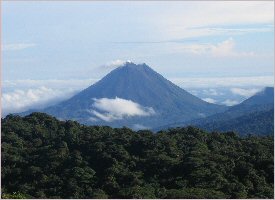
116	109
202	31
115	63
215	82
192	22
244	92
16	46
112	65
233	30
225	48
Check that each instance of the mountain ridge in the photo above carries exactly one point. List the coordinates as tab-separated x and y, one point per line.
260	104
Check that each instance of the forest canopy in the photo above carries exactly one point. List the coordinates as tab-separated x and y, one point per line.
43	157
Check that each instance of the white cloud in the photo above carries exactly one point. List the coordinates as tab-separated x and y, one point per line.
215	82
244	92
17	46
225	48
22	100
209	100
21	95
212	92
24	84
115	109
230	102
115	63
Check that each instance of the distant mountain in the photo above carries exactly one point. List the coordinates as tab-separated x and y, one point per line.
254	115
256	123
135	96
264	97
262	101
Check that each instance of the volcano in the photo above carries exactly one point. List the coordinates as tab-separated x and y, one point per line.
136	96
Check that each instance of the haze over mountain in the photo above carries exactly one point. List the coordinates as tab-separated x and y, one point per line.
135	96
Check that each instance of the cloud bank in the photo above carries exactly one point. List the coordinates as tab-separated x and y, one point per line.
215	82
116	109
21	95
50	83
244	92
230	102
22	100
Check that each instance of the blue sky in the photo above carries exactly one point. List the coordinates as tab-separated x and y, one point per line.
45	44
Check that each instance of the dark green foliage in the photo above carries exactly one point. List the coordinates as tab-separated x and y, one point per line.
46	158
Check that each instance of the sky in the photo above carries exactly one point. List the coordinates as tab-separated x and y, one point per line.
222	52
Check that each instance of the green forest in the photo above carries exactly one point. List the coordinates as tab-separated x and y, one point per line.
43	157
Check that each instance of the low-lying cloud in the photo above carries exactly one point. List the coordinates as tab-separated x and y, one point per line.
209	100
117	109
22	100
25	94
21	95
230	102
215	82
61	84
244	92
212	92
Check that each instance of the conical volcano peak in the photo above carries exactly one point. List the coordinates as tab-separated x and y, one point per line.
131	64
130	67
143	88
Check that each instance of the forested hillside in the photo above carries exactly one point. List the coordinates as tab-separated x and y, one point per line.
46	158
258	123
